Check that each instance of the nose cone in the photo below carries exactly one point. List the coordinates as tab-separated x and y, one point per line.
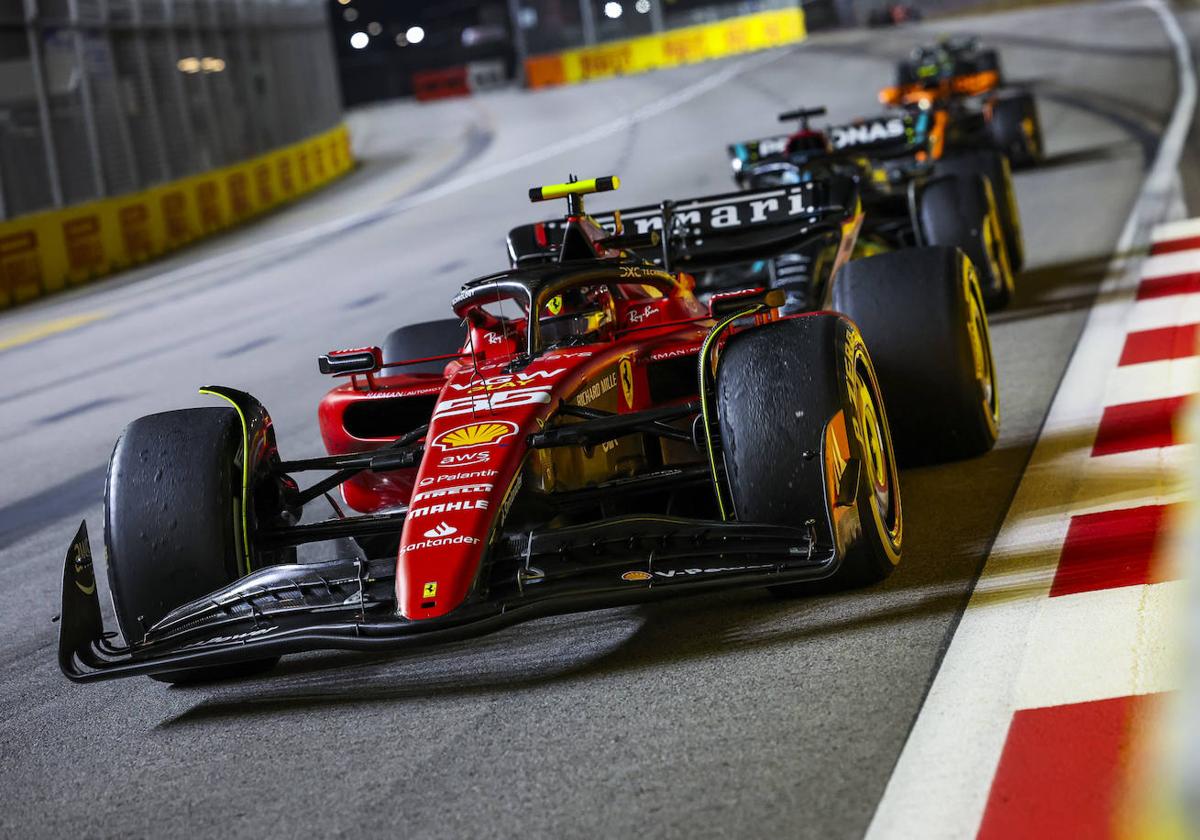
474	454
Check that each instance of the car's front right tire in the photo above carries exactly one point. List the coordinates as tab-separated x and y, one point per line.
804	436
173	521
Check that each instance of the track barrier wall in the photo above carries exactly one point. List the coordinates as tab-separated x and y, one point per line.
49	251
672	48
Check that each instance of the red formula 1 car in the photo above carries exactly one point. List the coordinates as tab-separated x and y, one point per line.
584	432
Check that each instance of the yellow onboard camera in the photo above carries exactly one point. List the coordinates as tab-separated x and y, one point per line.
574	188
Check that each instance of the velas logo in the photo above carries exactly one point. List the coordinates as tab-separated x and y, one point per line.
475	434
442	530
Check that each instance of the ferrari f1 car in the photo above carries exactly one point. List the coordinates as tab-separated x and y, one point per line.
960	84
912	196
582	433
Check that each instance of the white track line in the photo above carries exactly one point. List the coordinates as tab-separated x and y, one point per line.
1153	381
1137	638
1156	313
941	782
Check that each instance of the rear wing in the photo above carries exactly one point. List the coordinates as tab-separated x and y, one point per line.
698	234
893	134
763	150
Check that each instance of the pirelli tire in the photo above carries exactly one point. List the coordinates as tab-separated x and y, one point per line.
960	211
922	314
995	167
804	434
422	340
1015	128
173	521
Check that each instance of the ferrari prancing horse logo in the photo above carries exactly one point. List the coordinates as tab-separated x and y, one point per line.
627	382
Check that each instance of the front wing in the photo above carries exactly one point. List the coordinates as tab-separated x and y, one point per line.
350	604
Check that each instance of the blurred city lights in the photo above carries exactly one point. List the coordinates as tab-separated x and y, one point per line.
612	9
415	35
374	28
401	41
642	6
191	64
359	40
350	15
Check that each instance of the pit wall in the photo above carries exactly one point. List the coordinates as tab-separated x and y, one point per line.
47	252
673	48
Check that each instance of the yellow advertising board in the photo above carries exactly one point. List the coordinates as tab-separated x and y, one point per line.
673	48
45	252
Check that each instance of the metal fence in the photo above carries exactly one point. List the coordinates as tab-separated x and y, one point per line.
104	97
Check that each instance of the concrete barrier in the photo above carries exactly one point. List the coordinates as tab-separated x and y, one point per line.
672	48
46	252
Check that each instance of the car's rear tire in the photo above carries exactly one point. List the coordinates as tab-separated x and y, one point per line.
791	396
173	520
921	313
422	340
1016	129
995	167
959	211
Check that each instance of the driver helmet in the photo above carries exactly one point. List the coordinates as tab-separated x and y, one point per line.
576	316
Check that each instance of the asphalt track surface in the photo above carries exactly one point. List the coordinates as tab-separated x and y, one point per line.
722	715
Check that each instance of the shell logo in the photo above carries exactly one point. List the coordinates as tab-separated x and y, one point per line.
476	434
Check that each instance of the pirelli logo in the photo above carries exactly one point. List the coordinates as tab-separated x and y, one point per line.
208	198
20	264
85	248
135	231
262	181
175	215
238	186
286	182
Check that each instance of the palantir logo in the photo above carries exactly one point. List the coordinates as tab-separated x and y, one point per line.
442	530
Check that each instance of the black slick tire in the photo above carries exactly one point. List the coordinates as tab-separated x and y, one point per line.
1016	129
959	211
995	167
921	313
804	436
173	520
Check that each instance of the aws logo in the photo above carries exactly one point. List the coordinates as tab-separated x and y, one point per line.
475	434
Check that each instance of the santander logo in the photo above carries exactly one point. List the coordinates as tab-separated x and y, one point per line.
442	530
